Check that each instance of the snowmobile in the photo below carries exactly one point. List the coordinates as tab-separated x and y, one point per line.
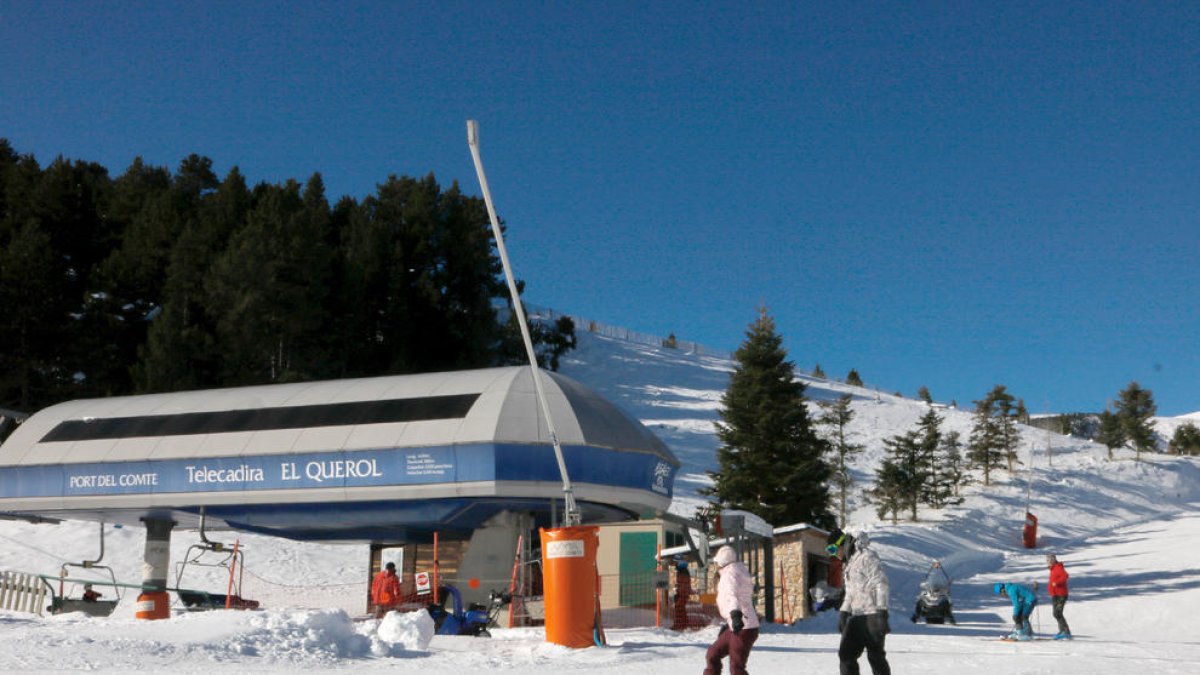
825	596
933	600
474	620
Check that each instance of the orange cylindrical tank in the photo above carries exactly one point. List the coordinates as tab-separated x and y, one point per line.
570	580
1029	534
153	605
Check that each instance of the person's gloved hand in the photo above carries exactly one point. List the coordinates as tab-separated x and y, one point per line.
843	620
735	618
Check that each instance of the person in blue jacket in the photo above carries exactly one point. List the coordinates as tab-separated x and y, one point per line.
1023	601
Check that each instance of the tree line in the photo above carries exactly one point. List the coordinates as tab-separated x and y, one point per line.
157	281
787	466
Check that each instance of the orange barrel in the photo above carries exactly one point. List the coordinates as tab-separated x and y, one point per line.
1029	534
570	580
153	605
153	602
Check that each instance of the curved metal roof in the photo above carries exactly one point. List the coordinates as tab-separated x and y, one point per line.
258	453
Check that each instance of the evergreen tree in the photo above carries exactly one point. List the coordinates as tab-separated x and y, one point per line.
998	407
1111	432
1186	440
837	416
269	316
929	437
888	491
924	395
853	379
907	476
818	372
556	340
128	283
986	443
1020	413
182	349
31	371
1136	409
951	473
771	461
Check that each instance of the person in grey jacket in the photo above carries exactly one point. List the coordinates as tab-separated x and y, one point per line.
863	616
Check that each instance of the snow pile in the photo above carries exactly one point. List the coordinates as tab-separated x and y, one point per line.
400	633
302	636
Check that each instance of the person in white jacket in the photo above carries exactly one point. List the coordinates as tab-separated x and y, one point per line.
735	590
863	617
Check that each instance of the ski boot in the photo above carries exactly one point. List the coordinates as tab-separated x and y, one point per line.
1064	635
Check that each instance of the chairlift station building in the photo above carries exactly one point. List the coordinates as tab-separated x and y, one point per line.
384	459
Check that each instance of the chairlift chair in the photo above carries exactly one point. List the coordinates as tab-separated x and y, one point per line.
62	602
212	554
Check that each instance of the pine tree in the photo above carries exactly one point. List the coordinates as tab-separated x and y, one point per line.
924	395
181	349
951	472
818	372
888	491
1111	432
771	462
853	379
1135	409
267	289
1002	433
128	284
837	417
907	475
986	441
929	435
1186	440
31	373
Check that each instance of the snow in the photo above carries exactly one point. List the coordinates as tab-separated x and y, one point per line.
1128	532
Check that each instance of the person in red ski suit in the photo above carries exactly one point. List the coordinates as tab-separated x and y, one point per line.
683	590
1058	595
734	602
385	590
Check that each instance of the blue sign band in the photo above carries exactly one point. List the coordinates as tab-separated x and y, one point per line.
358	468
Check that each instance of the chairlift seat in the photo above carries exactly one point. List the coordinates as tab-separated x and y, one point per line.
92	608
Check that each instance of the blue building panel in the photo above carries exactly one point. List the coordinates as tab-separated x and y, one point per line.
343	469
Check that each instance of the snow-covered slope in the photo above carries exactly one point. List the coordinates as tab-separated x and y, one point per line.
1127	531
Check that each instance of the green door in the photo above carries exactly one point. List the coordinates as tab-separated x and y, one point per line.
638	551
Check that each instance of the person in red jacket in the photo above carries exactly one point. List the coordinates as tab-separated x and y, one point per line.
1058	595
385	590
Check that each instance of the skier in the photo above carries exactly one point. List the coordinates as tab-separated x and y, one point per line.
1058	595
1023	601
736	606
863	618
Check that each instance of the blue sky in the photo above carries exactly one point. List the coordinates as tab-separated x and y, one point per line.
954	195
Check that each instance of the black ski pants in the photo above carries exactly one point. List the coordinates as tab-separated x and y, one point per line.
864	632
1060	601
